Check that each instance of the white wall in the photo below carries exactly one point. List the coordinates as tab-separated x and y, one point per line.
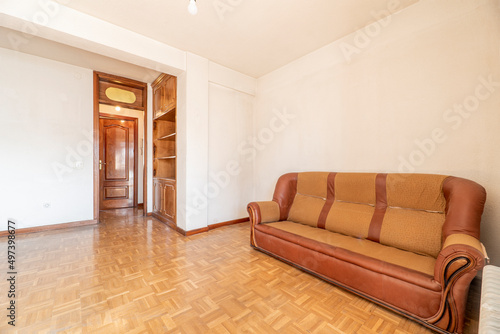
230	172
231	98
107	109
388	98
45	141
192	146
214	115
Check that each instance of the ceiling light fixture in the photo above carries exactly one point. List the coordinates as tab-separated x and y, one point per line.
192	9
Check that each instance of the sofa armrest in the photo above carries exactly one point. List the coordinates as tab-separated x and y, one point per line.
263	212
461	253
460	259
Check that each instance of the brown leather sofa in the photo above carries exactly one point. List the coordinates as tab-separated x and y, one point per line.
409	242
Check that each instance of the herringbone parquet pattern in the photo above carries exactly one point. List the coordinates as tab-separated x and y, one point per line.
135	275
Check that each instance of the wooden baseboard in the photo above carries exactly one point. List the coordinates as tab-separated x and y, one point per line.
193	232
214	226
229	222
51	227
199	230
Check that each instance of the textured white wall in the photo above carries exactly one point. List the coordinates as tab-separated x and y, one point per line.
230	171
214	106
192	143
45	141
417	92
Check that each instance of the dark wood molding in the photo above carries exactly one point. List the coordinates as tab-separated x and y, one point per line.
145	151
116	116
51	227
136	147
200	230
197	231
105	77
111	78
160	78
227	223
96	146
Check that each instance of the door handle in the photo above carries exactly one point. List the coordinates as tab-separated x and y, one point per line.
100	164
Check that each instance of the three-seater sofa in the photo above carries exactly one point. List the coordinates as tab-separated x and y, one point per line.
409	242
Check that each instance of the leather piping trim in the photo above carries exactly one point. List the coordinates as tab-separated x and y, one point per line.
447	306
330	198
380	208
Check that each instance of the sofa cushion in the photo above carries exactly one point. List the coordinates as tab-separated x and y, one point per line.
353	204
413	230
312	184
416	191
306	209
415	214
355	187
350	218
310	198
366	248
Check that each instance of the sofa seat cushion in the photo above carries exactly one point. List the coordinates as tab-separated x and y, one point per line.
413	268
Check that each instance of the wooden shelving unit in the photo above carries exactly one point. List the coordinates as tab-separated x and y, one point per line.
164	149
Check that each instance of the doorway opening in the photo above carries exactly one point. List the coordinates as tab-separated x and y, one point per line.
120	145
119	157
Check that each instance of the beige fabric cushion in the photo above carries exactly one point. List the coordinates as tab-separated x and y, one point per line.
464	239
269	211
355	187
416	191
306	209
350	219
421	263
312	183
413	230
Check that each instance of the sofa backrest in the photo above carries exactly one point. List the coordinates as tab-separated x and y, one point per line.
407	211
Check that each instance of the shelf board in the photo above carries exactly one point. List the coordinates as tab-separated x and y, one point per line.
166	158
164	178
168	115
167	137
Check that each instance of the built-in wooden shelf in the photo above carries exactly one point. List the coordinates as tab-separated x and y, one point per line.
167	137
166	178
168	115
164	148
166	158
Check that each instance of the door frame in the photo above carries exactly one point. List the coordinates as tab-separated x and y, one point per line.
136	141
98	77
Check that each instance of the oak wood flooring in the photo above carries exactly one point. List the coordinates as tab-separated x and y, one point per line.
133	274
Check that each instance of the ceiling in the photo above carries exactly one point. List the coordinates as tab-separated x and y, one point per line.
253	37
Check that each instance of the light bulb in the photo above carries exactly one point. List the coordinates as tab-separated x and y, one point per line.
192	9
117	108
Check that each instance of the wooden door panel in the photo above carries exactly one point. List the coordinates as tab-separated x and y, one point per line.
117	153
157	102
169	200
116	192
157	196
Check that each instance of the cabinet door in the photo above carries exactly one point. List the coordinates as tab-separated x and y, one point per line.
169	200
157	196
170	93
157	101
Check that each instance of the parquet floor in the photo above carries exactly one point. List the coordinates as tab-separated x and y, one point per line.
135	275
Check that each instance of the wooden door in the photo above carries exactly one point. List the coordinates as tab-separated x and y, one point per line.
117	163
169	200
